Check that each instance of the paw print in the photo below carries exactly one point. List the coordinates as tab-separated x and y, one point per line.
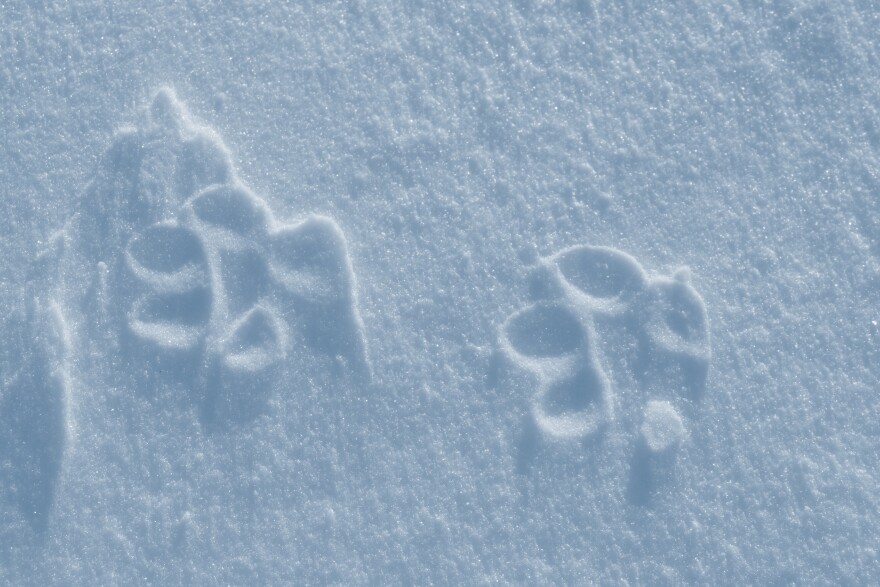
197	277
582	292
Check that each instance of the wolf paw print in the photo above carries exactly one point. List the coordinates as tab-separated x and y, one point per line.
191	270
584	293
226	280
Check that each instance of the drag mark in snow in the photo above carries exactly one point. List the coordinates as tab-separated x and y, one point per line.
34	401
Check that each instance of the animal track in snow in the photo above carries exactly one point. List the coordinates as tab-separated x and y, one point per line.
559	340
192	271
34	402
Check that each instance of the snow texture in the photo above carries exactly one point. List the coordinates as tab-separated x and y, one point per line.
531	292
662	428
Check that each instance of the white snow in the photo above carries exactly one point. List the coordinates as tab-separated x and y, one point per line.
662	428
572	292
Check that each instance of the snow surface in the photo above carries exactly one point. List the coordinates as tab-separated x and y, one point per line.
531	292
662	429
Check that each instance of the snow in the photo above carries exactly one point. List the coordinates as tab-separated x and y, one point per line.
662	428
572	292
